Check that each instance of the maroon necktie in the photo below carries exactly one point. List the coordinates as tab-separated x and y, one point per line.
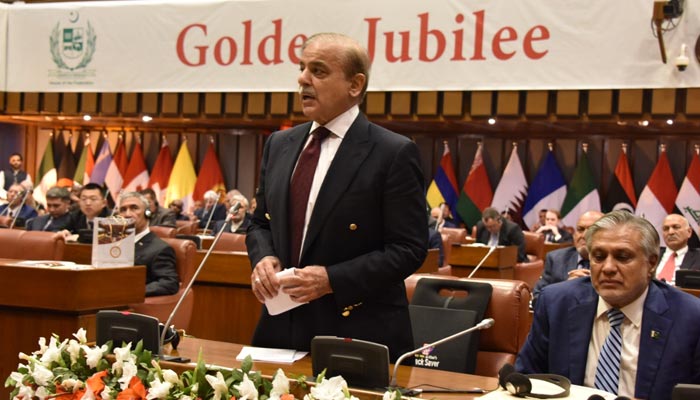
299	190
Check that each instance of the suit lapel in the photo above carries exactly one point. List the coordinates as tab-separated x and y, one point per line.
654	335
579	321
352	152
571	261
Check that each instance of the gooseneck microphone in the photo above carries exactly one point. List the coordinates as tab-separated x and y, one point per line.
491	249
211	213
484	324
25	194
233	210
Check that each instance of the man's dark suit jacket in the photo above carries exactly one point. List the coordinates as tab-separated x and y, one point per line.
57	224
203	215
162	217
25	213
79	220
368	228
241	229
564	237
159	259
510	235
669	348
557	265
690	261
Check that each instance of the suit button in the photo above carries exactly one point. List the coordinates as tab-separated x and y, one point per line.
267	215
346	313
353	227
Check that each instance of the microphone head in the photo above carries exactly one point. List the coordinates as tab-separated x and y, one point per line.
486	323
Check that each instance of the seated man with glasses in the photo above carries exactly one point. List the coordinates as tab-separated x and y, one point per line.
16	212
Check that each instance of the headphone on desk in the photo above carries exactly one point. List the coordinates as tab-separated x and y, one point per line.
520	385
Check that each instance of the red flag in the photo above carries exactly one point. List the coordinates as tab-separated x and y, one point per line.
659	195
688	200
624	176
136	176
161	172
117	169
210	176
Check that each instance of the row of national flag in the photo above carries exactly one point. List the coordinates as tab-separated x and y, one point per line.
118	171
549	190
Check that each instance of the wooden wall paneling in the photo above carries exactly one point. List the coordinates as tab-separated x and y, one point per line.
50	102
566	153
535	152
453	104
631	101
611	148
129	104
492	154
170	105
88	103
568	103
536	103
246	171
228	152
279	103
149	104
233	104
296	105
193	147
400	104
108	104
643	158
426	145
190	104
463	157
174	139
3	96
213	103
151	143
375	103
30	103
508	103
692	101
676	152
481	104
663	102
14	103
600	103
69	103
427	103
255	105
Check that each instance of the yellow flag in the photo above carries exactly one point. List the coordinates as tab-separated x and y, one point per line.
182	179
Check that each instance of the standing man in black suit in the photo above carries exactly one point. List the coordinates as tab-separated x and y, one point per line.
151	251
493	230
58	217
354	225
677	255
571	262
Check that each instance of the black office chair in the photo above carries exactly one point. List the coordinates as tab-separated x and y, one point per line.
440	308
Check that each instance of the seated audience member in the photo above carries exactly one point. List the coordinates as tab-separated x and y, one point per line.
252	206
542	220
446	220
570	262
211	208
151	251
551	230
677	255
159	215
92	205
618	330
494	230
15	209
58	217
240	220
435	242
176	207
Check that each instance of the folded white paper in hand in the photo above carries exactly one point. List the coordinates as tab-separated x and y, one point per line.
282	302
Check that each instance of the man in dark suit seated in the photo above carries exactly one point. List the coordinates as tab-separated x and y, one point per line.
92	204
240	220
494	230
619	330
14	209
160	216
570	262
177	207
211	211
58	217
151	251
553	233
676	255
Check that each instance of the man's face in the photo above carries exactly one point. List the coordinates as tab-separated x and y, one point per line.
92	202
176	207
15	162
620	272
676	231
551	219
151	202
57	207
543	216
492	225
584	221
133	208
240	214
324	89
13	195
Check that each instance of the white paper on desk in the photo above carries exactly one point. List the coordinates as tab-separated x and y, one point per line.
543	387
285	356
282	302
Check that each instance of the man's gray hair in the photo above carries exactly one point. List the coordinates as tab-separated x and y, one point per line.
58	193
143	199
650	237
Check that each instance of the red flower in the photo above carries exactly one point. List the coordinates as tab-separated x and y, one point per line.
135	391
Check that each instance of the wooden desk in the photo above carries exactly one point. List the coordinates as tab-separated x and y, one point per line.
38	301
79	253
694	292
224	354
499	265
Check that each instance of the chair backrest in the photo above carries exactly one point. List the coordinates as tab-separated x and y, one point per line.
231	242
186	227
430	264
31	245
528	272
534	245
446	248
185	253
442	307
509	307
457	235
163	231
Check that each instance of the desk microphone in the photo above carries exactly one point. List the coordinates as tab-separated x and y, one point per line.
233	210
488	253
25	194
484	324
211	213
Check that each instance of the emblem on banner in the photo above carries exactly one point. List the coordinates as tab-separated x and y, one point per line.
72	44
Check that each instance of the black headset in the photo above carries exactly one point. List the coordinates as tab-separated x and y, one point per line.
148	213
519	384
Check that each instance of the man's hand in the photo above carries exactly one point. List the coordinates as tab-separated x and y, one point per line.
578	273
263	279
307	284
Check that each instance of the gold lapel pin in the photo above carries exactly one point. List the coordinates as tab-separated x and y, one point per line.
655	334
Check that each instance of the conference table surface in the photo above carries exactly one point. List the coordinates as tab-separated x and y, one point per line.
224	354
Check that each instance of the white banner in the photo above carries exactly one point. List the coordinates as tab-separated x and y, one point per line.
4	12
253	45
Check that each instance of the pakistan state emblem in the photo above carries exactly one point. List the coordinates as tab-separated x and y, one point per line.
72	44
